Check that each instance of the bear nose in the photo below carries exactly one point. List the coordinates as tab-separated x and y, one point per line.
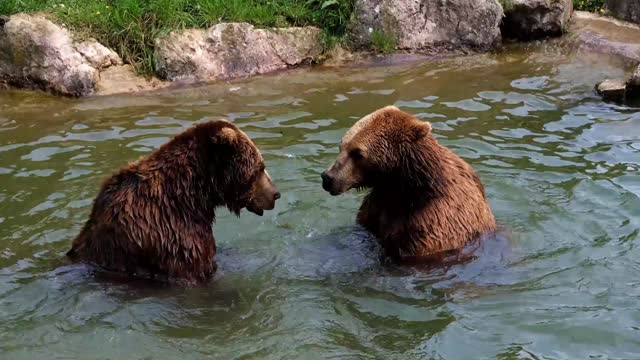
327	181
276	196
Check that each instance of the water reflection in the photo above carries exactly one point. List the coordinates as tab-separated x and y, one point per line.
560	169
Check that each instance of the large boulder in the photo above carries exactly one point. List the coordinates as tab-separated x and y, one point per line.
628	10
36	53
607	36
535	19
233	50
430	26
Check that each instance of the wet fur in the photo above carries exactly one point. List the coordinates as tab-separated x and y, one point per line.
424	200
154	217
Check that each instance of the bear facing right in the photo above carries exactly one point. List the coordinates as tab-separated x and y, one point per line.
423	199
153	218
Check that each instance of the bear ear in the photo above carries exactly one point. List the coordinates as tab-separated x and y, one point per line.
421	130
226	135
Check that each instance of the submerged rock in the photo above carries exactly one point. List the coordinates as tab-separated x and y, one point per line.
633	88
612	90
36	53
233	50
634	81
621	91
535	19
430	26
628	10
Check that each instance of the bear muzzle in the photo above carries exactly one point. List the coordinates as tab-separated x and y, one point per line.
329	184
259	205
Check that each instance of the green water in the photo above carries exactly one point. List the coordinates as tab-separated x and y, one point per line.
303	282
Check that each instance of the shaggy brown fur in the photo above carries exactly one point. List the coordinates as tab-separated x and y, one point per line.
424	199
153	217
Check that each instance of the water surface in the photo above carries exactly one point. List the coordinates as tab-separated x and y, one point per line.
303	282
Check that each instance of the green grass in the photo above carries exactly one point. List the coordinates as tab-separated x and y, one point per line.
585	5
382	43
589	5
131	26
507	5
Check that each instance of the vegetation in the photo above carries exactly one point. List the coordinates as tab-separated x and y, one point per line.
131	26
506	4
585	5
589	5
382	43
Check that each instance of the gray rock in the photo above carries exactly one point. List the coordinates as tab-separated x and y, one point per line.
233	50
36	53
430	26
612	90
621	91
628	10
123	79
605	36
632	94
98	55
535	19
634	81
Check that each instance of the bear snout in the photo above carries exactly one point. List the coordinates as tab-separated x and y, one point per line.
331	185
327	182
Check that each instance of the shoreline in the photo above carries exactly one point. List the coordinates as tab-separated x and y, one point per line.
38	54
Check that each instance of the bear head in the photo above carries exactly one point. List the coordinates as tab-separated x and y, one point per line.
238	168
378	149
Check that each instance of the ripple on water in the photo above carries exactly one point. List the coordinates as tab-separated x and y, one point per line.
468	105
559	166
530	83
413	104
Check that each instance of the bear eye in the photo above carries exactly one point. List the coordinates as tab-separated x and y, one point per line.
356	154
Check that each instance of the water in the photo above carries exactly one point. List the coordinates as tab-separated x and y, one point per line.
303	282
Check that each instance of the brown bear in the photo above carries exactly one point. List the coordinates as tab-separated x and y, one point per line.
153	218
424	200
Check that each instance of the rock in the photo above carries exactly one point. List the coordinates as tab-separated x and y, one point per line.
621	91
607	36
634	81
36	53
430	26
123	79
339	56
632	94
628	10
535	19
233	50
612	90
98	55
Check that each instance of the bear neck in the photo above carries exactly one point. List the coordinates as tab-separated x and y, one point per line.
419	178
185	171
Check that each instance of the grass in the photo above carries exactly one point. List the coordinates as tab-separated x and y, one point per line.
589	5
131	26
585	5
507	5
382	43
